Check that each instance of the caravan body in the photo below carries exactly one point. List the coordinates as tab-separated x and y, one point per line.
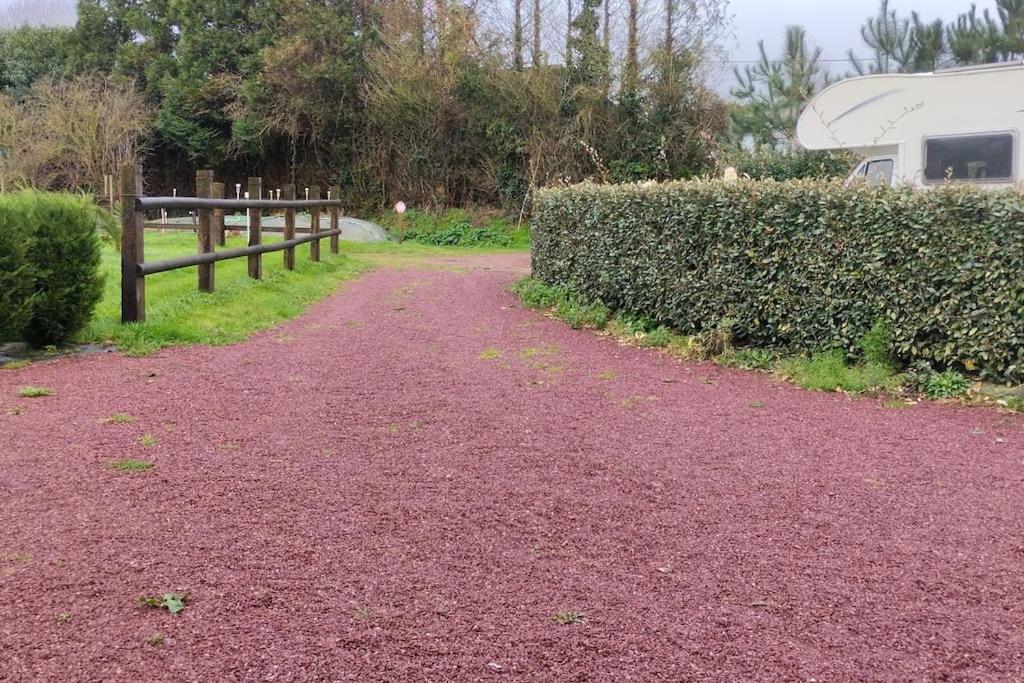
957	125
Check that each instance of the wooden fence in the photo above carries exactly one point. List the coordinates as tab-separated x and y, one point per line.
211	206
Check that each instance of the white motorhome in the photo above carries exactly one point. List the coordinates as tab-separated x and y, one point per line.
955	125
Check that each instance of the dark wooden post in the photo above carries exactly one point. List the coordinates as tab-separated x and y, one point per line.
133	285
314	224
255	230
335	193
204	190
288	193
219	235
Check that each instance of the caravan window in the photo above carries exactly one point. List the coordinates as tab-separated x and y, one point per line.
879	171
973	158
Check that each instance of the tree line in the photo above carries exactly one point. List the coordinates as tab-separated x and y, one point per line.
434	102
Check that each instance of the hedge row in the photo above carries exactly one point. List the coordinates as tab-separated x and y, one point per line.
802	265
49	266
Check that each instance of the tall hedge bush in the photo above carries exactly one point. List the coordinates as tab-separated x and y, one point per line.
50	275
801	265
797	164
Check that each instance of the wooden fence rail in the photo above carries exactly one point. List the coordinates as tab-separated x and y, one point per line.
210	228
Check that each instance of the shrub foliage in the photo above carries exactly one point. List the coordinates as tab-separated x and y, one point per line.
49	278
802	265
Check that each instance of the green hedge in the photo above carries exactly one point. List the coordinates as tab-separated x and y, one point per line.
802	265
49	266
797	164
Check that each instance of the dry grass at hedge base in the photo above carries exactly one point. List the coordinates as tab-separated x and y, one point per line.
800	266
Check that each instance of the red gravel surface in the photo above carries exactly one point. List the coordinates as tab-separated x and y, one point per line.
413	479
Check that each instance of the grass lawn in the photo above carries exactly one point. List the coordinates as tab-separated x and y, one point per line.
178	314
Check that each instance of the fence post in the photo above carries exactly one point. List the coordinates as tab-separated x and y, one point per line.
133	285
335	193
204	190
288	191
255	234
218	216
314	223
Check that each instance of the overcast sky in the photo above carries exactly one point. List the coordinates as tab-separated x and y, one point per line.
834	25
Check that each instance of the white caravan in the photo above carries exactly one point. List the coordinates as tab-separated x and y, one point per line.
956	125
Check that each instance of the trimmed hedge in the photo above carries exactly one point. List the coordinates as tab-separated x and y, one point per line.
801	265
49	266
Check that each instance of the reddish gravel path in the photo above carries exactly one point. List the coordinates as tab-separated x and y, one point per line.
358	495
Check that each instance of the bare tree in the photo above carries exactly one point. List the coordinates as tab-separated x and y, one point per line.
631	68
68	135
538	50
568	33
517	36
608	26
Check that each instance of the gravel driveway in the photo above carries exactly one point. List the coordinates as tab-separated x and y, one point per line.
419	480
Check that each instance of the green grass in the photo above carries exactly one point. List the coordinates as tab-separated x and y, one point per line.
120	419
457	228
131	465
490	354
34	392
829	371
567	307
147	441
177	314
569	618
15	365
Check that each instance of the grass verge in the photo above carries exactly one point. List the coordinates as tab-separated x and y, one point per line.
829	370
177	314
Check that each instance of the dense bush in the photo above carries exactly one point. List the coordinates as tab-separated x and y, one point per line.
801	266
795	164
15	279
50	275
455	228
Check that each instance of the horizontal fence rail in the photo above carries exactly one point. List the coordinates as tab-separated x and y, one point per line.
153	203
211	209
153	267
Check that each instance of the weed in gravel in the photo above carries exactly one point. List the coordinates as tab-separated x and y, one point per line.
15	365
63	618
147	441
490	354
156	640
543	350
1014	403
362	614
16	557
131	465
757	404
120	419
569	618
828	371
34	392
15	410
747	359
172	602
897	403
948	384
658	338
608	375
